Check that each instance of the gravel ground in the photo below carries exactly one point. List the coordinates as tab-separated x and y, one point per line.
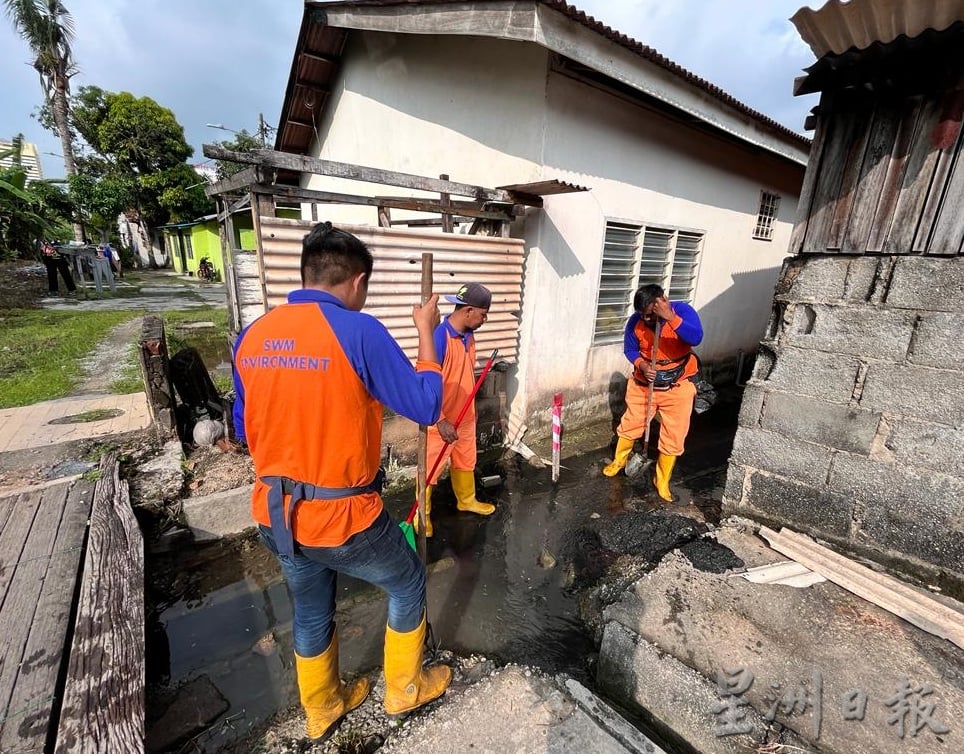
367	728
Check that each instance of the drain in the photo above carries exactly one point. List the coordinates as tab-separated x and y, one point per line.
97	415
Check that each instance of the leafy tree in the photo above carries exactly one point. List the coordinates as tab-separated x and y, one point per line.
134	159
48	29
242	142
28	212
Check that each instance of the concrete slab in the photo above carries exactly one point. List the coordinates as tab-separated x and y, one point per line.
31	427
519	710
842	674
220	514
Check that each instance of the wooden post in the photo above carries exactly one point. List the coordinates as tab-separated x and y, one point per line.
448	224
226	236
421	478
156	373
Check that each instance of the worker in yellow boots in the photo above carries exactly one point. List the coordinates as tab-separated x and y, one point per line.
455	345
679	330
312	377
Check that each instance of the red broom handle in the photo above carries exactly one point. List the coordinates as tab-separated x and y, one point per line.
462	413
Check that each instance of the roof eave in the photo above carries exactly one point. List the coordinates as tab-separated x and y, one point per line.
565	30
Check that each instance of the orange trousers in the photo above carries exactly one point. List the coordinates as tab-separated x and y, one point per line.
461	453
675	408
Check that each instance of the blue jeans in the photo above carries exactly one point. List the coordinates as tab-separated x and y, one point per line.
379	555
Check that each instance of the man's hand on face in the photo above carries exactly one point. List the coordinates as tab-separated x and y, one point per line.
447	431
663	309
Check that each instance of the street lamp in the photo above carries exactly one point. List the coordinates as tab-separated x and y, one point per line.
221	127
263	131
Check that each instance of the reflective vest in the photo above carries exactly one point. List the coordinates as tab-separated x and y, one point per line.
321	427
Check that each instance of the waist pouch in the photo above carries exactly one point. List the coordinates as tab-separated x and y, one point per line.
666	378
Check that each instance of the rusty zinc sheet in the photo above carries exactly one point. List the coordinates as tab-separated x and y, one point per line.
497	263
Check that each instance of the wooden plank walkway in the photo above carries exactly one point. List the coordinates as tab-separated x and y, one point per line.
71	619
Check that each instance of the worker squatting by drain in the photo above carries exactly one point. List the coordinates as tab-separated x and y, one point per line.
314	434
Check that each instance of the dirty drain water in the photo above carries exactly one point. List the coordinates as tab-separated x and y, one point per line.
499	586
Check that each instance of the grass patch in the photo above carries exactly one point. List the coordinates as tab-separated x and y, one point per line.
41	351
211	342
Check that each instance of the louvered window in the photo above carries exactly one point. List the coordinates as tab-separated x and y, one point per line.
636	255
769	206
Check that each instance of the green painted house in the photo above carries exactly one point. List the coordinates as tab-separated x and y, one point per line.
188	243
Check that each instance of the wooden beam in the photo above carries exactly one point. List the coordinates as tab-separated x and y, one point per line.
430	222
305	164
446	201
103	697
302	123
888	593
319	58
384	216
236	182
311	86
230	210
415	205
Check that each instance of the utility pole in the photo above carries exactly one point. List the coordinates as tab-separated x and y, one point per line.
263	130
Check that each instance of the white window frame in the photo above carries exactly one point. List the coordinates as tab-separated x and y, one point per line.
766	216
625	268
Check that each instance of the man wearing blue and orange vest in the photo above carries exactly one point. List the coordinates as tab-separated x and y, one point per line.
674	391
455	346
311	378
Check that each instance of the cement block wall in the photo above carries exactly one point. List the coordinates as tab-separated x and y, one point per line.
852	426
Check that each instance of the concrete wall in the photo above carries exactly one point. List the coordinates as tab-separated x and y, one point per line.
432	105
852	427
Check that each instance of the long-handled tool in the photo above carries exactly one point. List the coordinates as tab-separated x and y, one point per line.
406	525
420	478
638	464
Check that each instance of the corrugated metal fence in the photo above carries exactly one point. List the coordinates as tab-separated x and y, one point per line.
497	263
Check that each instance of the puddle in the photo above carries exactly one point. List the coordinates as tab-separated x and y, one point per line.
499	586
96	415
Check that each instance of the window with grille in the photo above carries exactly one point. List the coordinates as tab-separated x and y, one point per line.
188	247
635	255
769	205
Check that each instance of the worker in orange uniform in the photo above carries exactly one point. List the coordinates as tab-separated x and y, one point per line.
455	345
311	378
674	391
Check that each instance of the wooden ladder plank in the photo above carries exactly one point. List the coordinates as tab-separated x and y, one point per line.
25	725
20	511
103	707
45	652
882	590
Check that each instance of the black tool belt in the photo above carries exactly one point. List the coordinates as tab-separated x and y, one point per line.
669	375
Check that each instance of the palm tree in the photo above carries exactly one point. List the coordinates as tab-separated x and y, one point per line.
48	29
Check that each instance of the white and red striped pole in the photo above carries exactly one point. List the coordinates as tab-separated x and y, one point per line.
556	434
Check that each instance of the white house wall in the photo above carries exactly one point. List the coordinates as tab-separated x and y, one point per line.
645	169
466	107
491	112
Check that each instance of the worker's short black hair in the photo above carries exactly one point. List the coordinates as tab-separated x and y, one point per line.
646	295
330	256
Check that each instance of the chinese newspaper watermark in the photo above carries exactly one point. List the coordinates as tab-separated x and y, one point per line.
911	709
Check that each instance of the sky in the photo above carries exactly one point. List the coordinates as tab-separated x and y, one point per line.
227	61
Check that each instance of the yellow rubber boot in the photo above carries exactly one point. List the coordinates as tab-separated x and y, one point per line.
325	698
624	447
407	684
428	511
463	484
664	470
